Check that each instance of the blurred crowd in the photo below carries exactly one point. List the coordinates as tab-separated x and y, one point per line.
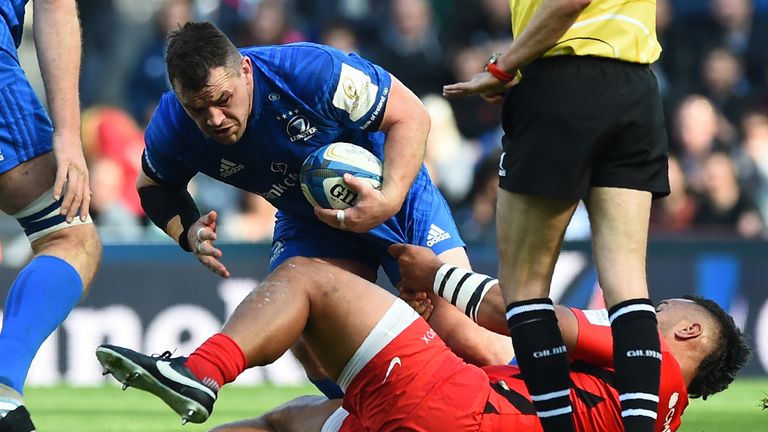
713	75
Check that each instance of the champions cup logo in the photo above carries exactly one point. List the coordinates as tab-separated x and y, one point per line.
350	91
299	128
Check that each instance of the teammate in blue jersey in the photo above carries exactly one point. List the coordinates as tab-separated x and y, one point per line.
249	118
44	185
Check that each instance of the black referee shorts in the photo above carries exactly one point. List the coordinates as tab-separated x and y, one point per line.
574	123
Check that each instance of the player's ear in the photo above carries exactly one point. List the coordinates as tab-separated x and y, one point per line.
246	67
688	330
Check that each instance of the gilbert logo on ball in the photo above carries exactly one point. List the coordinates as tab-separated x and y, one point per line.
322	174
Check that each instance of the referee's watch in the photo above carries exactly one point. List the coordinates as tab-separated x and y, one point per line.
498	73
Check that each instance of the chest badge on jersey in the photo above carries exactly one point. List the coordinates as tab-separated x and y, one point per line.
298	126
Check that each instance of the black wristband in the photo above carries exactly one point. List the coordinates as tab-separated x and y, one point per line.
163	203
184	239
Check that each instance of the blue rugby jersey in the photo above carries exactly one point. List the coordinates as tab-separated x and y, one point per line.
25	128
305	96
12	16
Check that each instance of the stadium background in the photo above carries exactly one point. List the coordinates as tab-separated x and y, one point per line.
708	238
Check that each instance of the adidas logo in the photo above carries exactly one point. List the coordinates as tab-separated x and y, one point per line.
227	168
436	235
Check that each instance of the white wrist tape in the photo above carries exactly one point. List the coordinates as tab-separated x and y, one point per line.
462	288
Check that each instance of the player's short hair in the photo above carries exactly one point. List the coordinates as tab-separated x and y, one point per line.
730	354
193	50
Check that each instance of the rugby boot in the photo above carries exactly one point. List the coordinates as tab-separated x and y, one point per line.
14	417
162	375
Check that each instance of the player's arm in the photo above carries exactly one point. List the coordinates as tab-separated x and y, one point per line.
172	209
473	343
474	295
406	123
380	103
547	26
57	38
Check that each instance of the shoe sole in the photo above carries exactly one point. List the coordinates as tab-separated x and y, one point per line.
17	420
122	367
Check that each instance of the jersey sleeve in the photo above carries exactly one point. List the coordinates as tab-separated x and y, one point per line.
161	160
355	91
594	343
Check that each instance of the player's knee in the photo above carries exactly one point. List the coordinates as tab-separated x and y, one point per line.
44	224
78	245
82	239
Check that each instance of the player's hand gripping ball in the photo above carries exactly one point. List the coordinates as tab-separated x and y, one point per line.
322	174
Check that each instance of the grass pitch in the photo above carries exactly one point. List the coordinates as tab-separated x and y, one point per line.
66	409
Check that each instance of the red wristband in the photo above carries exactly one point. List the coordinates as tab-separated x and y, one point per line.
498	73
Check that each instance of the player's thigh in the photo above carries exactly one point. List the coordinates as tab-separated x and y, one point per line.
26	182
530	233
30	182
305	414
78	245
619	222
300	348
344	308
359	268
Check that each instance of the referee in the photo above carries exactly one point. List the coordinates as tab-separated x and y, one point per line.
582	120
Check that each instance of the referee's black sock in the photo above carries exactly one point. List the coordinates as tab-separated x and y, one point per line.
543	360
637	362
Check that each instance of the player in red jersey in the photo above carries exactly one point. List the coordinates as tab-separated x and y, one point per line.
399	375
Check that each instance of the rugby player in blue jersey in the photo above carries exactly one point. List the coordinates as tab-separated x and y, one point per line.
44	185
249	118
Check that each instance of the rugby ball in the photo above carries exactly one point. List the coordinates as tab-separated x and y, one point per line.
322	174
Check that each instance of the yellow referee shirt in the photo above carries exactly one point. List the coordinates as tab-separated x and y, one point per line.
619	29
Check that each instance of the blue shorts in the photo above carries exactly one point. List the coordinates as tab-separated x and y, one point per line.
425	220
25	128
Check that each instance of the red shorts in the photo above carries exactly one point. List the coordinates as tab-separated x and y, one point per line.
415	383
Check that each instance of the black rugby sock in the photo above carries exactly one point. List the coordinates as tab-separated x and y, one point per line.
637	362
543	361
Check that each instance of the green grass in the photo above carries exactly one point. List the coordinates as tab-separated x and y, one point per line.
68	409
61	409
734	410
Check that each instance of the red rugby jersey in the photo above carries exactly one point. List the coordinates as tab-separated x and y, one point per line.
594	397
